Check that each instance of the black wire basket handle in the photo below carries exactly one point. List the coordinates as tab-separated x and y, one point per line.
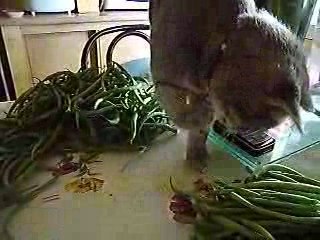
126	30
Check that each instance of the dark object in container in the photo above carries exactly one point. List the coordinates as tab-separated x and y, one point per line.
254	142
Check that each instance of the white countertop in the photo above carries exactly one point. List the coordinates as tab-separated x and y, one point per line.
140	192
138	206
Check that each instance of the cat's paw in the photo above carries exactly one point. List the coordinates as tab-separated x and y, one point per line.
197	154
197	159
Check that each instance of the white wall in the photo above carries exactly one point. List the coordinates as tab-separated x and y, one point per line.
314	19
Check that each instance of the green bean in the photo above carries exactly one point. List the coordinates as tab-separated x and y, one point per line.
46	142
285	217
281	204
221	210
26	166
276	167
303	179
66	99
92	130
206	228
242	191
110	93
166	127
177	191
153	113
125	104
8	122
290	197
314	196
8	171
280	224
224	235
3	166
232	226
37	146
284	185
42	117
88	90
136	92
58	97
257	228
134	121
4	150
52	137
280	177
245	213
17	137
123	71
101	110
296	212
103	101
51	78
77	118
21	99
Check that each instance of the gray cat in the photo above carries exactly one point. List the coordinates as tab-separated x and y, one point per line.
225	60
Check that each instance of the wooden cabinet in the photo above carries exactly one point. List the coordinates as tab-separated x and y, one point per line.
41	45
48	53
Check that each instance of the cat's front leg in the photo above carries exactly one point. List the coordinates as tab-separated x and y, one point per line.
197	153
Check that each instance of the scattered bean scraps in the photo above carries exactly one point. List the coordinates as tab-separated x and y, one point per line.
84	185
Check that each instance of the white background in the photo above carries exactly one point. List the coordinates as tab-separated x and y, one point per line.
123	4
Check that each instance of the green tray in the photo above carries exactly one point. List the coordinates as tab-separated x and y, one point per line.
290	143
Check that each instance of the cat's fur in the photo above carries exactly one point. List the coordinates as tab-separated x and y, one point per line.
225	60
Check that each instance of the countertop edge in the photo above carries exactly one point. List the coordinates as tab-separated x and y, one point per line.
57	19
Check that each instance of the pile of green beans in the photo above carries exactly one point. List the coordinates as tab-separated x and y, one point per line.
84	111
275	202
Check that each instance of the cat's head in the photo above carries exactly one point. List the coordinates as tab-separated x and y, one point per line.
262	77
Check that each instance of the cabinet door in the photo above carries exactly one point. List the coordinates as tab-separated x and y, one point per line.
37	54
49	53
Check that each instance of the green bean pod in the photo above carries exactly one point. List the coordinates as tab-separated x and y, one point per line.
265	234
275	167
285	217
280	176
303	179
278	185
290	197
233	226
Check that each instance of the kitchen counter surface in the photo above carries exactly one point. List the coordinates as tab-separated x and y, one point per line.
56	19
134	201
